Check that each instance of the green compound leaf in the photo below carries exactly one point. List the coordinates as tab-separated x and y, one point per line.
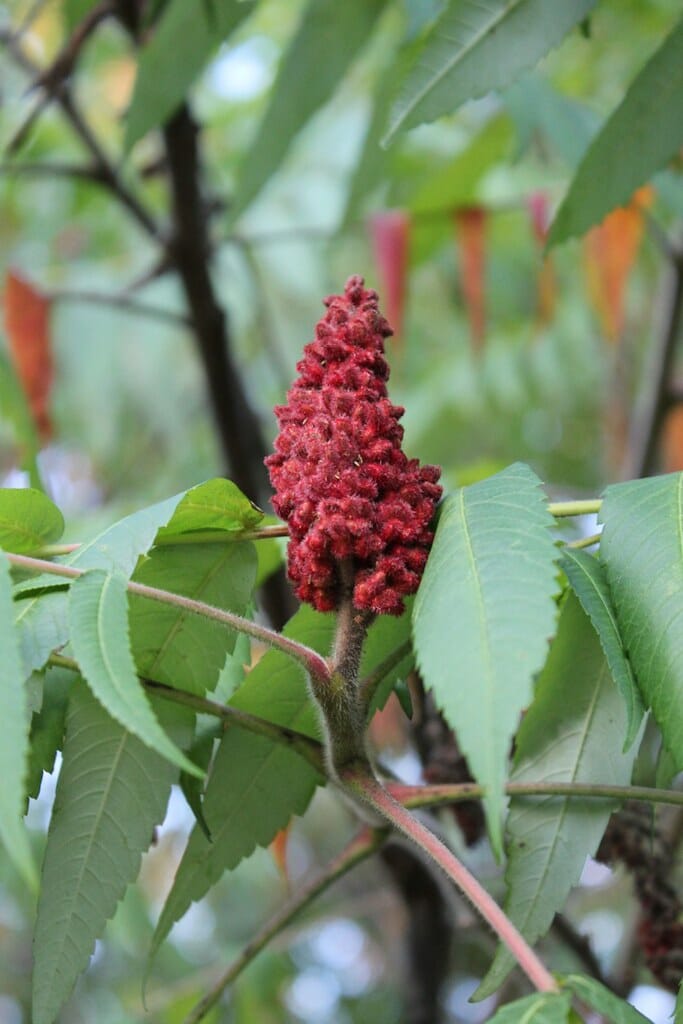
540	1008
642	134
28	520
591	992
175	646
642	551
475	47
329	37
163	80
255	786
14	745
214	505
111	793
43	617
589	582
483	616
573	732
98	614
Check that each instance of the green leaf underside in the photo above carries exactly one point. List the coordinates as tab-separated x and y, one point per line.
642	551
28	519
595	995
477	46
98	614
163	80
488	588
327	40
42	619
589	582
14	717
540	1008
112	791
175	646
255	786
573	732
637	139
214	505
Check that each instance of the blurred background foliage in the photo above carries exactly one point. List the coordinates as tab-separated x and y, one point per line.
504	354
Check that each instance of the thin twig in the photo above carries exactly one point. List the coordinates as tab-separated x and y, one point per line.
564	509
360	848
584	542
313	662
180	539
120	301
43	169
436	795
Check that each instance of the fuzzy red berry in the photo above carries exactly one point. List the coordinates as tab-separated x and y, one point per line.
342	482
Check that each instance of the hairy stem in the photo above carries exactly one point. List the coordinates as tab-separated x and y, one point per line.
359	849
368	686
366	788
313	662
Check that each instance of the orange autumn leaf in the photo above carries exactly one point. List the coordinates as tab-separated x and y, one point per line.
470	227
390	233
278	849
546	284
610	250
27	325
672	441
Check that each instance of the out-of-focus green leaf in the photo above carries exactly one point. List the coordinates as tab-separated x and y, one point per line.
573	732
112	792
643	557
483	616
14	728
28	519
637	139
175	646
589	582
73	12
329	37
593	994
183	41
475	47
536	107
540	1008
98	616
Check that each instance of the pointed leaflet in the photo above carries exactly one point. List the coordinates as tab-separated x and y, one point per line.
98	615
111	793
588	581
642	550
390	233
638	138
256	786
47	727
573	732
27	324
475	47
14	716
214	505
162	80
329	37
42	620
175	646
470	227
28	519
610	250
595	995
483	616
540	1008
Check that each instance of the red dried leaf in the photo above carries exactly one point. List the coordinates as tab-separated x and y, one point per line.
390	232
27	325
470	226
610	251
